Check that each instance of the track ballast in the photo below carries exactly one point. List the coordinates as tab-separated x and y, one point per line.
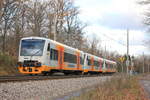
38	77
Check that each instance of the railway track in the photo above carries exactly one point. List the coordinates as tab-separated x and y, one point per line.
29	78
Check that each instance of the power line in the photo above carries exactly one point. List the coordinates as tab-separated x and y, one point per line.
113	39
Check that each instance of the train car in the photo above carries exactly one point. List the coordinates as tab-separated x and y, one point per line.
39	55
109	66
93	64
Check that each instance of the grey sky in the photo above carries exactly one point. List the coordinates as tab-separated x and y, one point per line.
112	18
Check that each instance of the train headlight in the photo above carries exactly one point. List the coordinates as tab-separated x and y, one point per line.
19	64
38	64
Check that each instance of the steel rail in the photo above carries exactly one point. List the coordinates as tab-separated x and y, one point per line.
31	78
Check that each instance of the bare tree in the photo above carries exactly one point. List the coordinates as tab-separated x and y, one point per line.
67	23
36	17
8	12
21	18
19	26
57	11
94	45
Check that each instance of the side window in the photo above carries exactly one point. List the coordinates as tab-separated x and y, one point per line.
100	63
112	66
89	61
48	47
106	65
96	63
81	61
54	54
103	63
70	58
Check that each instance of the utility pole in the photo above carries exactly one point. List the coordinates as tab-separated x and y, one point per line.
127	62
143	62
132	64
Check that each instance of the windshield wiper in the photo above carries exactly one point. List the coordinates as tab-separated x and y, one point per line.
35	53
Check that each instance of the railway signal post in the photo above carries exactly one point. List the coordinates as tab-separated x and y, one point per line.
127	61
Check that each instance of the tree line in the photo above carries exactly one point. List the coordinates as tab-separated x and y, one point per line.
21	18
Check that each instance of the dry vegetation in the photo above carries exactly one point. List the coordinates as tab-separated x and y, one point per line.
121	88
7	65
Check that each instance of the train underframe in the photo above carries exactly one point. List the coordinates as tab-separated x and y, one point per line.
35	67
40	70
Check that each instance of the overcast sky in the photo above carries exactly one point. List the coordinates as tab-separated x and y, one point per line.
109	20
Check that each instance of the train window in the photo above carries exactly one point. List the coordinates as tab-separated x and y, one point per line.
70	58
32	47
48	47
54	54
96	63
103	64
81	61
111	66
106	65
89	61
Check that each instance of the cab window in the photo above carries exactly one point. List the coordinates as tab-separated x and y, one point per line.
48	47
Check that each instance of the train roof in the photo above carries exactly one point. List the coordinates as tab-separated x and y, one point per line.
110	61
32	37
95	56
53	42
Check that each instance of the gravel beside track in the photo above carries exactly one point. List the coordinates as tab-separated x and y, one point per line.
39	77
46	89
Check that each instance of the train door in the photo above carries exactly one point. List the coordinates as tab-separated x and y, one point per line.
53	56
82	61
61	57
78	60
85	63
100	65
92	63
108	67
48	54
104	66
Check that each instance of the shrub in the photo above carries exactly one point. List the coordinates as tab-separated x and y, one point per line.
7	65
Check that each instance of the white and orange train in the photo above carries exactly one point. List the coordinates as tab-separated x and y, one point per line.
44	56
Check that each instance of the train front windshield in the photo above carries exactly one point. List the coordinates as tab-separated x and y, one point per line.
32	47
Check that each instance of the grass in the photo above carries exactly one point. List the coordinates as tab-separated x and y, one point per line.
117	88
7	65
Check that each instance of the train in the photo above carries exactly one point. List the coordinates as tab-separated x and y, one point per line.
39	55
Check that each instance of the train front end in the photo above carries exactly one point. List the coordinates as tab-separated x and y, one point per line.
31	55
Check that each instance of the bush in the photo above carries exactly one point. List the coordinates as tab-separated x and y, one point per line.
7	65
